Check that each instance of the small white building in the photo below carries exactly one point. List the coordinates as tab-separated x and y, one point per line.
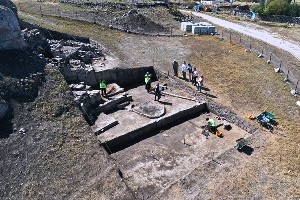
198	28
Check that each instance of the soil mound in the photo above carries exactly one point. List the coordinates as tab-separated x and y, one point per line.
136	22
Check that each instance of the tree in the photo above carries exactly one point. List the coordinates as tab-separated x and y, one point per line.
294	10
258	9
277	7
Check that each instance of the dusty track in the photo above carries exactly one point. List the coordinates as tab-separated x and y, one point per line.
265	36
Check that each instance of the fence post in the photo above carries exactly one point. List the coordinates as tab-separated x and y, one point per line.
280	65
270	57
240	39
58	12
250	46
41	10
230	37
297	84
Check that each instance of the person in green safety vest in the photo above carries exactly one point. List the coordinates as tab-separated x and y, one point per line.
102	87
148	81
212	125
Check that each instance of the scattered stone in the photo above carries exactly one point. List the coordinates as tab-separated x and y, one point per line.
268	61
294	92
283	134
277	70
79	87
260	56
22	131
298	103
37	42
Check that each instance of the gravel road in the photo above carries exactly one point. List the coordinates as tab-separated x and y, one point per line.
263	35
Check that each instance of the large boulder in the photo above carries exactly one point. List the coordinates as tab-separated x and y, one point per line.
10	32
9	4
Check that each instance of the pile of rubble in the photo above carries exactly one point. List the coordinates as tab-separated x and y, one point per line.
37	42
136	22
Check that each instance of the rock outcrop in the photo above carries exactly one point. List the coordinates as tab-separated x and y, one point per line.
9	4
37	42
10	32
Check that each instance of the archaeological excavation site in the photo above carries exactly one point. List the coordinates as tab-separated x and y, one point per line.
62	136
153	143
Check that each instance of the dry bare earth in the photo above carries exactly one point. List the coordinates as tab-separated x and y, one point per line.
242	83
57	157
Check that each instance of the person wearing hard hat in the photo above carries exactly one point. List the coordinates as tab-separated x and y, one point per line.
148	81
212	125
102	87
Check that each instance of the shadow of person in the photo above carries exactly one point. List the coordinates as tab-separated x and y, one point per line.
165	103
246	150
211	96
205	88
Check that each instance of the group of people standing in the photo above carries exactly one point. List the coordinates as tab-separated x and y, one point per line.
192	72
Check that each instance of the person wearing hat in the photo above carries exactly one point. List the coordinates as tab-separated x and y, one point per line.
103	87
175	67
148	81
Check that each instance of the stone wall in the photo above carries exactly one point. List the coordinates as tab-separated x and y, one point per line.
53	35
124	77
281	19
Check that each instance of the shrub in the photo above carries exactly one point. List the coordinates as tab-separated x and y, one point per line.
258	9
277	7
294	10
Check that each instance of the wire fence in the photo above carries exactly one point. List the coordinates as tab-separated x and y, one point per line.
288	67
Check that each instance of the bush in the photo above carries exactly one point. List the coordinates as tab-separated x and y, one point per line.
294	10
258	9
277	7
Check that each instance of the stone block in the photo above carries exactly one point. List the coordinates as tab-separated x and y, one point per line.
103	123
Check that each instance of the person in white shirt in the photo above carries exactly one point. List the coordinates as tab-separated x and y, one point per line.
200	83
195	76
183	70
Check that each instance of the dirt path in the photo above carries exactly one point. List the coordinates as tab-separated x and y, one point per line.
263	35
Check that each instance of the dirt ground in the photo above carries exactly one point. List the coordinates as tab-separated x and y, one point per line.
242	83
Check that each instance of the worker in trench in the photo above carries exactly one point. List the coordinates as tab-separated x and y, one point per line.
212	125
102	87
157	91
148	81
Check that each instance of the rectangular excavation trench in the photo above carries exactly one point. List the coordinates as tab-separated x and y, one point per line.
155	126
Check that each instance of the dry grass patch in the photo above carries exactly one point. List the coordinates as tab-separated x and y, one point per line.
246	84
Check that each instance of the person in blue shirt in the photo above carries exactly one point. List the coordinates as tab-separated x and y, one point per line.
190	69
